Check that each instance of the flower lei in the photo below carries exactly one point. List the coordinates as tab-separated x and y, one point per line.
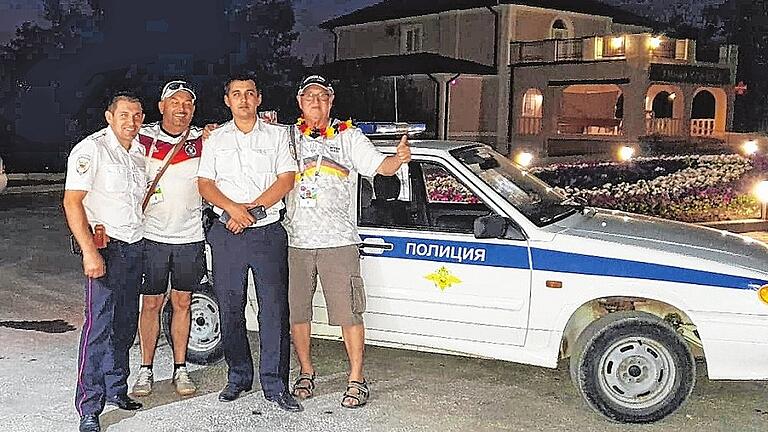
329	132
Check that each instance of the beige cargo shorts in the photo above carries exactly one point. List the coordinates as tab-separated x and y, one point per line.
339	271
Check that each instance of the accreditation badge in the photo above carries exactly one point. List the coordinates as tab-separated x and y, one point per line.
157	197
308	190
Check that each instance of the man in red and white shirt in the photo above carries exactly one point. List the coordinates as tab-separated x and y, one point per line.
173	233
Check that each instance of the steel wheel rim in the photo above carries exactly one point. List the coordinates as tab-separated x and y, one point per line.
205	327
637	372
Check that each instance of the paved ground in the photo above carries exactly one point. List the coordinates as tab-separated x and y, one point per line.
41	315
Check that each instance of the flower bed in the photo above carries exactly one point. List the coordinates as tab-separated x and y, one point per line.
691	188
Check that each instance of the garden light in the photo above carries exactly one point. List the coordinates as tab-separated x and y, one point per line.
524	159
761	192
750	147
626	153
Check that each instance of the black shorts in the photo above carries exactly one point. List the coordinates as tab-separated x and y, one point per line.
183	263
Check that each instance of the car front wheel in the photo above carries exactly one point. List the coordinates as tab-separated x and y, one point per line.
205	342
633	367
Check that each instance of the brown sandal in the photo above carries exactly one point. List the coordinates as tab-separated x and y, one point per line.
304	386
360	397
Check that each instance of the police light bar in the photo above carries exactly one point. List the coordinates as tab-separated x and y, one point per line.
381	128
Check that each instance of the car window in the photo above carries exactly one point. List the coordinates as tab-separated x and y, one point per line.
441	186
424	195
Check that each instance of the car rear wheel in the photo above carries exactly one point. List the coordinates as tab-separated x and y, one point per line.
205	342
633	367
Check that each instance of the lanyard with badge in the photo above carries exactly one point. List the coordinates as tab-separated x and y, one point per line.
308	187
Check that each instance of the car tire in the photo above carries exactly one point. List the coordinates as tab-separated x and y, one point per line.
205	341
632	367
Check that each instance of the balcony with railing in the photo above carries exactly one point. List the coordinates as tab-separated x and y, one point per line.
589	126
528	125
609	47
669	127
703	128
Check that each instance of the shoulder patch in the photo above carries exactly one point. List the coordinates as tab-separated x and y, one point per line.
83	164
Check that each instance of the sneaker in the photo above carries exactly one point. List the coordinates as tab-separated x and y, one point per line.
184	384
143	386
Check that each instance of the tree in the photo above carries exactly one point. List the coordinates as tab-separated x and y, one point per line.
265	30
745	23
61	32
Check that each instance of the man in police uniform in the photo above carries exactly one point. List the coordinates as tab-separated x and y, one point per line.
246	163
105	186
173	234
322	231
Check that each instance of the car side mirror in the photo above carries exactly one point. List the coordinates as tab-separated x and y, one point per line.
495	226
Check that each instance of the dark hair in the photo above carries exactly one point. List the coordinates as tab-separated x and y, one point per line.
241	76
122	96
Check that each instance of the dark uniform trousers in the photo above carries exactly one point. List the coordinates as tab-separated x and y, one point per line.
264	251
111	319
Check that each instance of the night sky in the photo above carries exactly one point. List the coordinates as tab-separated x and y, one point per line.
309	13
149	34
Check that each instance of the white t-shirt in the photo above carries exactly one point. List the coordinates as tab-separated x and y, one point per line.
174	212
245	165
115	180
332	221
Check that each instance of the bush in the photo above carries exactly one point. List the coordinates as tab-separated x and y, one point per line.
693	188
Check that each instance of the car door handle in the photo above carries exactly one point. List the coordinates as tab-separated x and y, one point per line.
376	246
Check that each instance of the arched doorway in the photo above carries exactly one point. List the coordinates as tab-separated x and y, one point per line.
663	105
703	105
708	112
591	109
559	29
529	122
664	110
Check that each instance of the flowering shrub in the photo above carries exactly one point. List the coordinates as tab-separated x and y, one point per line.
441	187
687	188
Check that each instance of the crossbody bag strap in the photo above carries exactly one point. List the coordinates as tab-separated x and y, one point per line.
160	173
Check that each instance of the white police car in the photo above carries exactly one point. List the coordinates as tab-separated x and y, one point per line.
466	253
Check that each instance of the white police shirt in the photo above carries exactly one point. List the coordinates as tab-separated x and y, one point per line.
245	165
115	182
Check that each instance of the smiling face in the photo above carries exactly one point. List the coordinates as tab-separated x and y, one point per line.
243	99
125	118
315	103
177	111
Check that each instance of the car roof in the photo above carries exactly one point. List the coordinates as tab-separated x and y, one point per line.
440	145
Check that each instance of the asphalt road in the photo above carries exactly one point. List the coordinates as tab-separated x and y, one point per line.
41	315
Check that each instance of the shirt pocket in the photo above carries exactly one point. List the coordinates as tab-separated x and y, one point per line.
227	163
116	179
262	160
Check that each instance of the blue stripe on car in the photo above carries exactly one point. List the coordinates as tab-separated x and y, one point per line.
512	256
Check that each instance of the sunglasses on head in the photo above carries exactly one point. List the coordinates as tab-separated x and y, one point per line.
178	85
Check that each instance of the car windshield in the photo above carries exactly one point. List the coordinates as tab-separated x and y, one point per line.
538	201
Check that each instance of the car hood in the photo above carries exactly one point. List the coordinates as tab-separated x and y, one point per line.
668	236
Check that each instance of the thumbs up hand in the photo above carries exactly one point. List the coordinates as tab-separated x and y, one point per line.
403	150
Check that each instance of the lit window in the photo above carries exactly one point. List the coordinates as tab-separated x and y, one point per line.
411	37
532	103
